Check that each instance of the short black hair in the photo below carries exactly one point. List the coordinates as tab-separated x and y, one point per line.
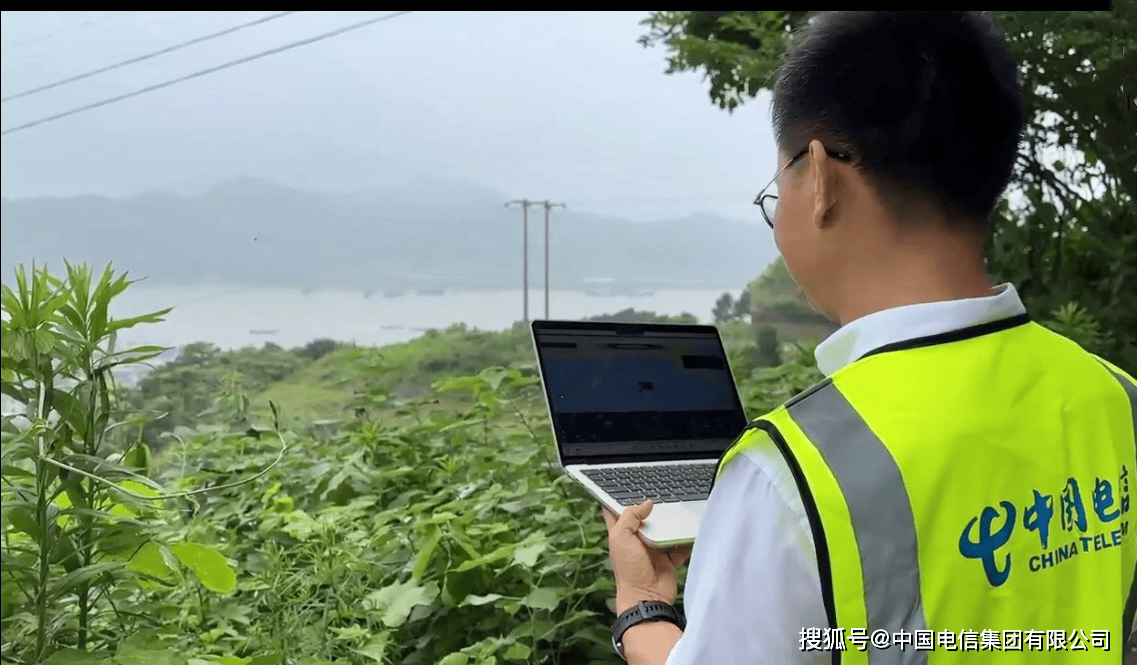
928	104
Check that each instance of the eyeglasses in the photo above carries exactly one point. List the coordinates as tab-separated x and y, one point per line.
768	203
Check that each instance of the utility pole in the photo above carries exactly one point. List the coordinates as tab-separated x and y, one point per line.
548	206
524	203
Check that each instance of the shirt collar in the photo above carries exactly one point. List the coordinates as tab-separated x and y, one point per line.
872	331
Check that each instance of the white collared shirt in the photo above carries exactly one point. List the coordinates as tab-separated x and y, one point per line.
753	583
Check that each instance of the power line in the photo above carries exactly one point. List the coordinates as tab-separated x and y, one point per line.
147	56
36	40
203	72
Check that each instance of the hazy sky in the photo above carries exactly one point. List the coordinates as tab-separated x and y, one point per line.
560	105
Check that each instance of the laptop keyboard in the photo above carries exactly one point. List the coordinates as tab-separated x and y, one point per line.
630	485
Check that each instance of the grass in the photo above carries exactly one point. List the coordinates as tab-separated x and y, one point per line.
330	387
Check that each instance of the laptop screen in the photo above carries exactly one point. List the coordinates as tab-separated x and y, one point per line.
619	392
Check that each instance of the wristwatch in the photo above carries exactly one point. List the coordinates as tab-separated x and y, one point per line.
648	610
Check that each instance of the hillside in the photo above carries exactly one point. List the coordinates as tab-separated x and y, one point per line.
438	232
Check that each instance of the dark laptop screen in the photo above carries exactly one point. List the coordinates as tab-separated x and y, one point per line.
621	390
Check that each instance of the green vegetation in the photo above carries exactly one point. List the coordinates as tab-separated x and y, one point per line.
1070	242
407	517
89	537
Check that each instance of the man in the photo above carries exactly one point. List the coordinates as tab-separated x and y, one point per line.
962	473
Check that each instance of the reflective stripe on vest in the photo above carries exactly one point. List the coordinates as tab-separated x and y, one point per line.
1129	619
881	513
918	526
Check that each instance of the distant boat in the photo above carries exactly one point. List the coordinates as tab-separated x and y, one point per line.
367	293
260	331
391	327
307	292
392	293
431	292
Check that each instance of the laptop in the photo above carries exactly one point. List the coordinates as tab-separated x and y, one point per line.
641	411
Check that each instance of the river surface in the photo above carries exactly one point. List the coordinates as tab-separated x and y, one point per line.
233	317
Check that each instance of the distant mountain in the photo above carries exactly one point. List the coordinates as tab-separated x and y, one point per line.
441	232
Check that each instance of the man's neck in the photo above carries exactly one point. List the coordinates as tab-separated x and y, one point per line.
935	271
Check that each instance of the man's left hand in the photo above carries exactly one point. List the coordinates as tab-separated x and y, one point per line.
642	572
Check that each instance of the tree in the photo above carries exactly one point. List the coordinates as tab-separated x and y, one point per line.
769	349
724	308
775	285
742	305
318	348
1071	236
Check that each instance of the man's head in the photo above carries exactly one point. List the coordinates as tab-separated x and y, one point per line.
911	123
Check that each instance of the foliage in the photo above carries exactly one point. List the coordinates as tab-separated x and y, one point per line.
724	308
774	286
89	549
631	315
318	348
769	387
742	306
399	535
1071	236
727	308
184	392
408	540
738	51
1074	322
769	351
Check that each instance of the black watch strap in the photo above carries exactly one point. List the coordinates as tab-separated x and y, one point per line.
648	610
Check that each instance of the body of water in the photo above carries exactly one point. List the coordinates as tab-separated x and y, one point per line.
235	317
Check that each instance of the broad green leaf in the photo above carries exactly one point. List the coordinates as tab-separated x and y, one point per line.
503	552
456	658
376	648
44	341
494	376
397	601
517	651
527	554
138	457
518	454
149	560
209	566
423	558
482	600
542	599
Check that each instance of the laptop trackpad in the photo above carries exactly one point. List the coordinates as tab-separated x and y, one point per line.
697	507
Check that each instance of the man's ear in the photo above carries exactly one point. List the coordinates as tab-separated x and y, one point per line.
823	173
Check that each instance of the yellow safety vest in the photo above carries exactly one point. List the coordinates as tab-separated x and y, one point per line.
977	484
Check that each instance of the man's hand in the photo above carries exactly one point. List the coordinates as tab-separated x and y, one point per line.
642	572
